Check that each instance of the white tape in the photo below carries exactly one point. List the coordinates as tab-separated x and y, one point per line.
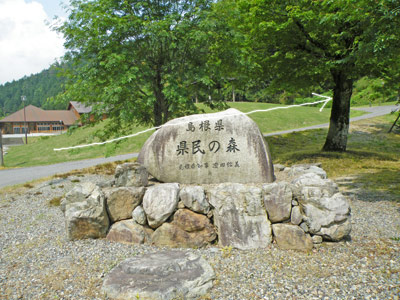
327	99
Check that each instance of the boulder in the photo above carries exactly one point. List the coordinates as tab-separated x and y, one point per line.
128	232
239	215
131	174
139	216
298	170
292	237
164	275
208	148
121	201
79	193
187	230
194	198
159	202
278	201
87	218
327	212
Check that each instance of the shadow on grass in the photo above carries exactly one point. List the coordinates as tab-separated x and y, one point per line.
315	156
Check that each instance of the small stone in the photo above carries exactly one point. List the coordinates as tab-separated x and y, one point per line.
139	216
295	203
131	174
317	239
296	217
304	227
279	167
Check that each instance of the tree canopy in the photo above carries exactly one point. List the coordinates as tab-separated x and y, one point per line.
300	44
137	60
145	61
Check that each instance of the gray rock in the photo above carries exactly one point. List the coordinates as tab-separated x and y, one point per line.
194	198
310	185
279	167
317	239
296	217
337	231
326	210
304	227
121	201
187	230
78	194
291	237
239	215
298	170
208	148
128	232
131	174
164	275
159	202
139	216
277	201
87	218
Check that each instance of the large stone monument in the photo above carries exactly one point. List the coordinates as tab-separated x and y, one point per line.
208	148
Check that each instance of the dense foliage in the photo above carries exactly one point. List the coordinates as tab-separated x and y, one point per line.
138	60
297	45
37	88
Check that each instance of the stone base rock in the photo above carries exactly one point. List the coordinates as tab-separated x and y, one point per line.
128	232
122	201
188	230
292	237
239	216
163	275
159	202
131	174
87	218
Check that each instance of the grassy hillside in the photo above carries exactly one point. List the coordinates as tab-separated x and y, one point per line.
39	150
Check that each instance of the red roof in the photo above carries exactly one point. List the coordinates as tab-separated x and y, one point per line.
35	114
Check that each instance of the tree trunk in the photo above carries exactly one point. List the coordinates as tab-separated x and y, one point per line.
336	139
160	105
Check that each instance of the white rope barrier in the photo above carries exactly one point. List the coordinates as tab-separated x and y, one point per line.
325	101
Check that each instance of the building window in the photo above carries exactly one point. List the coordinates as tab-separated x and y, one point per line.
16	130
58	127
43	128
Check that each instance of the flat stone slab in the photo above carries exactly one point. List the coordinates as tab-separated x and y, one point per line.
163	275
208	148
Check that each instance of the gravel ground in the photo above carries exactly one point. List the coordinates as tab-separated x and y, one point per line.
38	262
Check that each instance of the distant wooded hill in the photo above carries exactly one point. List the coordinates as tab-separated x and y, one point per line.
37	88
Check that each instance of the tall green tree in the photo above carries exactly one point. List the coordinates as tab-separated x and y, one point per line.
324	43
135	59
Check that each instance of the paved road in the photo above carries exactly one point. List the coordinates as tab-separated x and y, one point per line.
374	111
17	176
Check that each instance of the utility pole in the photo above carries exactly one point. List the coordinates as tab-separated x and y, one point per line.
1	149
23	98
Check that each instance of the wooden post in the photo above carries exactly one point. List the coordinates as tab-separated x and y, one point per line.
1	149
390	130
233	94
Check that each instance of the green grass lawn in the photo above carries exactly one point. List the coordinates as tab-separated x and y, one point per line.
39	151
372	157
